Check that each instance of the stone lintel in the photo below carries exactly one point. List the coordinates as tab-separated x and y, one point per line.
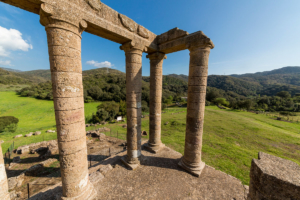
170	35
183	43
103	21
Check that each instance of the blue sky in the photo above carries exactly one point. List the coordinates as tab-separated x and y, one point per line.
249	36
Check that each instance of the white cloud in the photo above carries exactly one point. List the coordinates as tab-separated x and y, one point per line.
101	64
11	40
5	63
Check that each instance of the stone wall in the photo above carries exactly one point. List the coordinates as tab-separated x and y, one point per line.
273	178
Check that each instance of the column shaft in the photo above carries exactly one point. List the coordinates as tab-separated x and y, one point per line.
197	82
4	195
64	44
134	103
156	78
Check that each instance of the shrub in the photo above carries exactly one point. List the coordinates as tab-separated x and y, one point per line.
8	123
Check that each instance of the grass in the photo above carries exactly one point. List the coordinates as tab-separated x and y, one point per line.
231	138
34	115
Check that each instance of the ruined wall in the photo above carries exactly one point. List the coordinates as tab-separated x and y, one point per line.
274	178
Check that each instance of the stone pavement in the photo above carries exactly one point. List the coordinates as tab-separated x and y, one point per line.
159	177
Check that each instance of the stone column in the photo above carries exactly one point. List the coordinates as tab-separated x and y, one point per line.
198	70
133	55
156	62
64	45
4	195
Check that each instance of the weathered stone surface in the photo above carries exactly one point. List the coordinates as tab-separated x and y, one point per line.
15	161
48	162
3	179
13	194
199	51
274	178
105	169
37	133
34	170
18	136
171	35
159	177
133	53
28	135
68	100
156	62
16	182
23	149
96	177
50	131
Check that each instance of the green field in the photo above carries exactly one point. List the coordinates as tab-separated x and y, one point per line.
231	138
34	115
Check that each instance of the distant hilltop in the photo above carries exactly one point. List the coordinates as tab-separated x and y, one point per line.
11	70
261	83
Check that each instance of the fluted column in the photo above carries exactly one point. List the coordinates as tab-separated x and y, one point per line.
4	195
64	45
198	71
156	77
133	55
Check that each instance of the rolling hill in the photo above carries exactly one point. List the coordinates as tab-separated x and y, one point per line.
261	83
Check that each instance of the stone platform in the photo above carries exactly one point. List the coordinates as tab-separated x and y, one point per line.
160	177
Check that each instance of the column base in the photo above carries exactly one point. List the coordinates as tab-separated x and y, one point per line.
132	166
196	171
89	194
154	148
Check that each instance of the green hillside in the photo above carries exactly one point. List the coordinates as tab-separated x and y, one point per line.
231	138
19	78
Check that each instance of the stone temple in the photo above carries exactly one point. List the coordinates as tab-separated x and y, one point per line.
64	22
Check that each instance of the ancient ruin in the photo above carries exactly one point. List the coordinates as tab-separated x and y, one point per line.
65	21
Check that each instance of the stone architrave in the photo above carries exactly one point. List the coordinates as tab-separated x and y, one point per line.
4	195
199	46
133	53
156	62
64	45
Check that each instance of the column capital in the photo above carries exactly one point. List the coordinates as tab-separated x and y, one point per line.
130	46
50	17
156	56
198	40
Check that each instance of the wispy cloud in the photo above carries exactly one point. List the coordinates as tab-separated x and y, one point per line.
12	10
5	19
11	40
100	65
5	63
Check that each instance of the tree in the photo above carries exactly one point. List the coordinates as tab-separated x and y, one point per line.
221	101
111	107
101	115
145	107
95	92
123	108
284	94
213	94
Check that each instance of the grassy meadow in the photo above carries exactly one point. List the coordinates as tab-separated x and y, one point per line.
34	115
231	138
